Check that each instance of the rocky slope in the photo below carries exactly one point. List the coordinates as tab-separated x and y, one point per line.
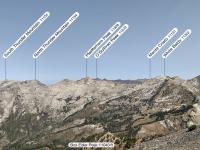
130	114
181	140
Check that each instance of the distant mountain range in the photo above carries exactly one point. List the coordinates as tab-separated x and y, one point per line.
157	113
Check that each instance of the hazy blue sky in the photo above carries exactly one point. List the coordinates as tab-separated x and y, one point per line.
149	20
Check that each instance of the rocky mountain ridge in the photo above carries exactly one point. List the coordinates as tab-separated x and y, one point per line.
37	116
